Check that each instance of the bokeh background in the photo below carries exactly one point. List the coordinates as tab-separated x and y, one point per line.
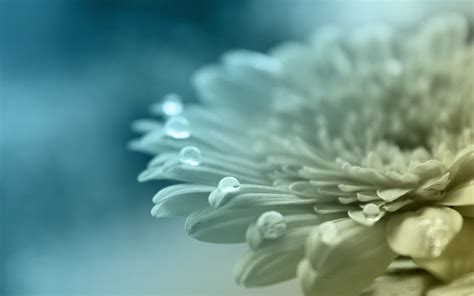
73	76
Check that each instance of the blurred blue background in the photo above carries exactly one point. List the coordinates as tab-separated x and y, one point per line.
73	76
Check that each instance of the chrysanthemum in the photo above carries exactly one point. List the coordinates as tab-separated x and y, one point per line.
340	160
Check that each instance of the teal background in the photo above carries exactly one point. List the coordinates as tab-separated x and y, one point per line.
73	76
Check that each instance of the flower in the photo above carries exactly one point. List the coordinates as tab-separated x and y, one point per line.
336	160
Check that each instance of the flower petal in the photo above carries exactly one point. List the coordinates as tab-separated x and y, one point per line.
359	217
408	283
392	194
458	257
180	200
467	211
274	261
463	286
461	196
424	233
263	268
229	225
432	188
344	257
248	196
293	221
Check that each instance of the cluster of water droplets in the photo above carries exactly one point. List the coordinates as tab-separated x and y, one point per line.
271	225
178	127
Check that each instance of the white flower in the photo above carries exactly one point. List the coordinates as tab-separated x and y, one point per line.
335	160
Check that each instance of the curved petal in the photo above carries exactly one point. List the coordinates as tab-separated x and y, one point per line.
392	194
220	226
274	261
424	233
180	200
461	196
344	257
457	259
248	196
229	225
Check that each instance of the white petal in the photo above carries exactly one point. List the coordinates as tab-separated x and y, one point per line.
458	257
343	258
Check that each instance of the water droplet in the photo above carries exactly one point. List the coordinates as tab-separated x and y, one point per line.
190	155
177	127
172	105
371	211
228	184
271	225
436	237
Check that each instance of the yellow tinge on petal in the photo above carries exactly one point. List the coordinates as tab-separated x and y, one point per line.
463	286
461	196
424	233
458	257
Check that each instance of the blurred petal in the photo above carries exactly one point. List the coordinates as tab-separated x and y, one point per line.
463	286
411	283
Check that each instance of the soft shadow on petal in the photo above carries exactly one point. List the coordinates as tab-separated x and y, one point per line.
344	257
463	286
467	211
457	259
412	283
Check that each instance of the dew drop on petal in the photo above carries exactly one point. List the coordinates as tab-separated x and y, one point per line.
228	184
271	225
436	236
172	105
371	211
177	128
190	155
